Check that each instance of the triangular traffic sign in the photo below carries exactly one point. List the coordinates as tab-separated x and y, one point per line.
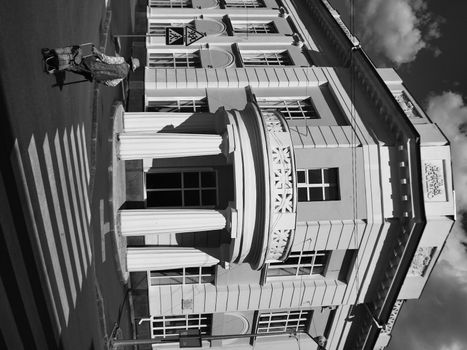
192	36
174	35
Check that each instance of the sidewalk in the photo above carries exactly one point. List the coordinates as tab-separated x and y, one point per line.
116	173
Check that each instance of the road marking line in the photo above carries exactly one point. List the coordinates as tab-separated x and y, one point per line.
82	173
66	200
58	217
76	211
48	229
85	150
80	194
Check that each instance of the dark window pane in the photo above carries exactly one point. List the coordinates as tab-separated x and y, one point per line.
208	179
331	193
192	271
163	180
290	271
164	199
175	272
191	279
306	270
316	193
207	279
191	180
209	197
208	270
167	281
192	198
314	176
302	194
301	176
330	176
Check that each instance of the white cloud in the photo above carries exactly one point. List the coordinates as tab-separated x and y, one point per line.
453	346
398	29
450	113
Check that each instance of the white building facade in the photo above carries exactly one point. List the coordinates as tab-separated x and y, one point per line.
276	181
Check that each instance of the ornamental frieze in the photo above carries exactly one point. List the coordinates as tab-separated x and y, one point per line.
283	186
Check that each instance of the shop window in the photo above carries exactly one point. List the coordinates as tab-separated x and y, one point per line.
318	184
185	275
292	108
187	188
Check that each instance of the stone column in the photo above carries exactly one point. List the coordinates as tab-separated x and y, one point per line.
134	222
168	122
165	258
140	145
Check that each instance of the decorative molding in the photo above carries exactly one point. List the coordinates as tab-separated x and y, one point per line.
283	186
421	261
406	105
433	180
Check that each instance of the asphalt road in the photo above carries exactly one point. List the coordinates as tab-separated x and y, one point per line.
59	284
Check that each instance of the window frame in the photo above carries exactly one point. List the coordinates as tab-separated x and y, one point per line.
174	59
323	185
300	265
161	24
244	3
182	188
294	107
254	27
266	321
171	3
184	278
184	104
271	58
203	322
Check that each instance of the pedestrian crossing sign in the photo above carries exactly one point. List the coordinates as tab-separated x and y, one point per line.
192	36
174	35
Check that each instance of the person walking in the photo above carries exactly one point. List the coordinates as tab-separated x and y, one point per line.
107	70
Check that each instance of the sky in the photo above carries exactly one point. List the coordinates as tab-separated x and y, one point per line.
424	41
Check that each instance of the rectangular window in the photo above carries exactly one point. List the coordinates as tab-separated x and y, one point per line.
186	275
304	263
252	58
186	105
187	188
174	59
318	184
170	3
244	3
291	108
158	28
170	326
254	27
283	321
